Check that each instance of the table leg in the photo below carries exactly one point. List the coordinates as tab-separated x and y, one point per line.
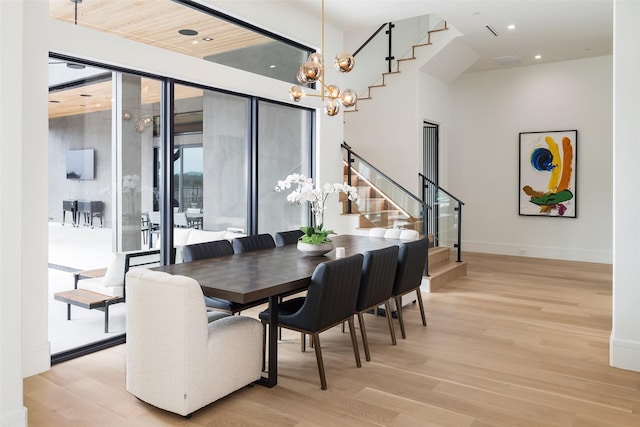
272	375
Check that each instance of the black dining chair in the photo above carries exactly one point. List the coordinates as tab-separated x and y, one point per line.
331	299
254	242
209	250
412	257
284	238
206	250
376	284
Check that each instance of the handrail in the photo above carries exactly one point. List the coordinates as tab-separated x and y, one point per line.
424	178
395	184
458	208
370	38
389	58
423	205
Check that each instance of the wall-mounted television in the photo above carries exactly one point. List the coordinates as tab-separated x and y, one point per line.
80	164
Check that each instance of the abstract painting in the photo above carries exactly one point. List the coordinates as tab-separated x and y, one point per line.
548	173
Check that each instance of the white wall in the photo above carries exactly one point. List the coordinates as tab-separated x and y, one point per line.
387	130
23	211
488	110
625	335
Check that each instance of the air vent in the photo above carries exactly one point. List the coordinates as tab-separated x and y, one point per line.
508	60
492	30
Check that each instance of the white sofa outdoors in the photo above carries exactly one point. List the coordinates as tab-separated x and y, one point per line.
175	359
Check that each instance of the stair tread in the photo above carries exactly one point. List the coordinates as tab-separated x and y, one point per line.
443	267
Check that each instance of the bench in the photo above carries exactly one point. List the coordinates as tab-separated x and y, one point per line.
98	289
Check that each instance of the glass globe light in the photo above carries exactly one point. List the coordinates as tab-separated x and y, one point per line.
315	57
348	98
301	77
344	62
311	71
296	93
331	107
333	91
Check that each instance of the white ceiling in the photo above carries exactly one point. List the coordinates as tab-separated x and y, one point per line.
558	30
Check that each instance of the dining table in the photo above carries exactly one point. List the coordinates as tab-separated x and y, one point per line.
267	274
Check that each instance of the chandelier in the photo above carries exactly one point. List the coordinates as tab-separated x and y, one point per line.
312	70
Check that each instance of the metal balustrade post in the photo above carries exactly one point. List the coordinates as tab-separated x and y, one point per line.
459	245
350	160
390	57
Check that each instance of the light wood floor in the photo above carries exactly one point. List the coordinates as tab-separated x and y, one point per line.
517	342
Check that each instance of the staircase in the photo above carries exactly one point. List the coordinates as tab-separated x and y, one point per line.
375	209
412	57
382	202
443	269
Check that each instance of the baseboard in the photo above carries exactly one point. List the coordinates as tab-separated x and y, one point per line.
17	418
549	252
624	354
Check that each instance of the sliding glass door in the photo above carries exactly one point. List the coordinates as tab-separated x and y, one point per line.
284	147
109	190
101	186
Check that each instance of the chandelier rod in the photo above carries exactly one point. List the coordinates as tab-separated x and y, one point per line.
322	49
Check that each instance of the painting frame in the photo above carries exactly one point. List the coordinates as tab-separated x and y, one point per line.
547	169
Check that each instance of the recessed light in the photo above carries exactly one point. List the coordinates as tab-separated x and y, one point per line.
511	27
188	32
207	39
538	56
272	66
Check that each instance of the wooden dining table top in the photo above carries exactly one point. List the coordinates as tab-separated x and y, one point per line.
253	276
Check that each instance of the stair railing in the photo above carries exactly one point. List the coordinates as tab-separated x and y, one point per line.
443	229
412	212
380	53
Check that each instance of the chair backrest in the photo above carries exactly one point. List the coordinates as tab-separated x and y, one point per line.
254	242
140	259
290	237
409	235
180	220
392	233
332	294
206	250
378	274
377	232
154	217
166	331
412	257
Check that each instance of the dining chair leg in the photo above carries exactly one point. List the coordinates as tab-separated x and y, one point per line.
392	330
424	317
303	342
363	333
316	342
398	300
354	341
264	346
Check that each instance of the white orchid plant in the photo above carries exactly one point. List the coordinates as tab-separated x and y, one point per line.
305	191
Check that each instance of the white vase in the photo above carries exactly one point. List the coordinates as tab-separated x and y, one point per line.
310	249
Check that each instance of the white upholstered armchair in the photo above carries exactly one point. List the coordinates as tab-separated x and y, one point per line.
176	359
